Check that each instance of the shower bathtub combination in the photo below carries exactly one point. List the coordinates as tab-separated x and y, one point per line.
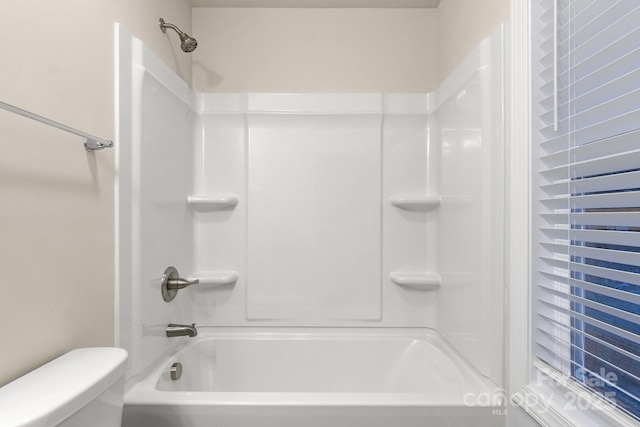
340	243
282	378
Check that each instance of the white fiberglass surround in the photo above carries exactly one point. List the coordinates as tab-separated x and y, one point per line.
313	237
311	210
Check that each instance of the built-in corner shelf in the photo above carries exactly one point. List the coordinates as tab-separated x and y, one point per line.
215	278
411	202
422	281
218	202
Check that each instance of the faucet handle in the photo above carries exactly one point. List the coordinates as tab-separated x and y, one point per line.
180	283
172	283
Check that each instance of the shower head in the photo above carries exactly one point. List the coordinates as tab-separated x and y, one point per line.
187	43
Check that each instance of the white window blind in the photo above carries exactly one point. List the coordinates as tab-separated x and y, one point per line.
586	194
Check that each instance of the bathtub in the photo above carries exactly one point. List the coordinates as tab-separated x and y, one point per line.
312	378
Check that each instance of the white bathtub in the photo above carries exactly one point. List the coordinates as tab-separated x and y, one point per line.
312	377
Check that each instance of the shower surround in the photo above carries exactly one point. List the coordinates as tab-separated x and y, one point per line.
307	214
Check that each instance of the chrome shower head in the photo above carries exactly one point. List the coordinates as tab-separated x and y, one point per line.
187	43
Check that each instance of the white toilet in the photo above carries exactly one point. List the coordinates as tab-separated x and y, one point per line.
83	388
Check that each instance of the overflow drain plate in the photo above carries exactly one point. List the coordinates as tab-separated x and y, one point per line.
176	371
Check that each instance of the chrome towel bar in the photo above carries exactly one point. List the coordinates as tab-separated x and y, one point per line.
91	143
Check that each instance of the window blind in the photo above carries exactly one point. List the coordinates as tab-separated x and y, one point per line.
586	194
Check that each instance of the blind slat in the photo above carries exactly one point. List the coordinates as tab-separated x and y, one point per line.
555	341
615	182
564	251
627	199
583	302
607	273
597	60
556	234
609	90
557	306
605	290
625	65
549	346
619	162
596	131
618	23
584	113
612	219
621	257
619	238
567	328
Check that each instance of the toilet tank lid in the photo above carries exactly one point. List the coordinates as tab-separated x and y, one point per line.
53	392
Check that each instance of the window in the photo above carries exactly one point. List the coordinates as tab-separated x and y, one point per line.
586	194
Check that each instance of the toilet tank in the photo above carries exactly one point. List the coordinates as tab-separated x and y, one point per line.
82	388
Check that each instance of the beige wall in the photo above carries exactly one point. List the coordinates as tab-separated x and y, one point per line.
462	25
337	50
315	50
57	205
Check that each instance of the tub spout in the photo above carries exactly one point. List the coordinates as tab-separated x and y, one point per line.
175	330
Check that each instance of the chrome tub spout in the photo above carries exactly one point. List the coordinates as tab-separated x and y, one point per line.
175	330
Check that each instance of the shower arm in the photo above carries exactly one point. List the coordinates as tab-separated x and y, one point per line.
165	25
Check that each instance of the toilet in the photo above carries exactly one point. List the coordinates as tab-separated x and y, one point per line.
82	388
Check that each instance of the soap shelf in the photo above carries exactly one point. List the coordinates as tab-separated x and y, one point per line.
423	281
414	202
215	278
219	202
